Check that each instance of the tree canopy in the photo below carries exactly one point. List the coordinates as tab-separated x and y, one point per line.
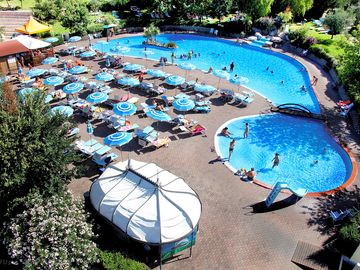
35	155
338	21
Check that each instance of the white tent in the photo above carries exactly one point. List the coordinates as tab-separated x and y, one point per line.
32	43
146	202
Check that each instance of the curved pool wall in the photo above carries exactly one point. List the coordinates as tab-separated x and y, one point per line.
309	157
250	62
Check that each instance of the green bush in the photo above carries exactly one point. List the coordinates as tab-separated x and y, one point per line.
350	232
116	261
171	44
94	28
322	53
298	37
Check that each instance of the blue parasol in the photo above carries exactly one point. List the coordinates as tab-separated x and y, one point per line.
156	73
73	88
88	54
35	72
118	139
78	70
158	115
221	74
133	67
175	80
54	80
27	91
64	110
97	97
74	39
52	39
124	109
104	76
49	60
204	88
183	104
129	81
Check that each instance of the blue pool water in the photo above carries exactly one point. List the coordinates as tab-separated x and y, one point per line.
299	141
250	61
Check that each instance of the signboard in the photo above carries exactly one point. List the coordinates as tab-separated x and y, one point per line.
170	249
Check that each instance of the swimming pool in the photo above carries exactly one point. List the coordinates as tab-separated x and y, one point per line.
309	157
250	62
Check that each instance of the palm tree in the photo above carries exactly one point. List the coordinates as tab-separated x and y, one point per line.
150	32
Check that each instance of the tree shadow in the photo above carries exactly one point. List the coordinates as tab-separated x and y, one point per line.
320	211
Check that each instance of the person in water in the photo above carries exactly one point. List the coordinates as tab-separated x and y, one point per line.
231	148
275	160
246	132
225	132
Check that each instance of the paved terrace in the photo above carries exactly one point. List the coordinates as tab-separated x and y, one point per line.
231	235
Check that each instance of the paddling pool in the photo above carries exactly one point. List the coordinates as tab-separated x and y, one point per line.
250	62
309	157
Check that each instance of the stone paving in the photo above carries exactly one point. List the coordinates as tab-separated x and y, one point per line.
231	235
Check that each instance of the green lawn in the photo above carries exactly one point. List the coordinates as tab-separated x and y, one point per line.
334	47
26	4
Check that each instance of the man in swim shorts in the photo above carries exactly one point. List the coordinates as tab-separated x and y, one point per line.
231	148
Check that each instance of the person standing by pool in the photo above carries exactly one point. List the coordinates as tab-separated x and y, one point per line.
231	148
172	58
275	160
232	65
246	132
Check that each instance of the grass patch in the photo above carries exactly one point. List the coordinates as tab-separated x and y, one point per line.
334	47
26	4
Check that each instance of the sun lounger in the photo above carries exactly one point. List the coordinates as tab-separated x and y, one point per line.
128	128
346	109
168	100
197	129
202	109
100	160
72	132
103	150
159	142
243	99
343	102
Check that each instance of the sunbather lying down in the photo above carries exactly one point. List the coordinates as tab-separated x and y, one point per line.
161	142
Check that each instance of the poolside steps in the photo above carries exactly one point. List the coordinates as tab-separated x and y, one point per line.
314	257
11	20
297	113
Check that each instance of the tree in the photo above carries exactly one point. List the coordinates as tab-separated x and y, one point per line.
151	32
35	155
220	8
8	98
338	21
349	71
51	233
75	16
286	16
47	10
298	7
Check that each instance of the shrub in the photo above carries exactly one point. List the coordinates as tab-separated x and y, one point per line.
298	37
51	233
350	232
171	44
265	23
115	260
95	27
309	41
321	53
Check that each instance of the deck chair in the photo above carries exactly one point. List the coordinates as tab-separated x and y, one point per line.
339	215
